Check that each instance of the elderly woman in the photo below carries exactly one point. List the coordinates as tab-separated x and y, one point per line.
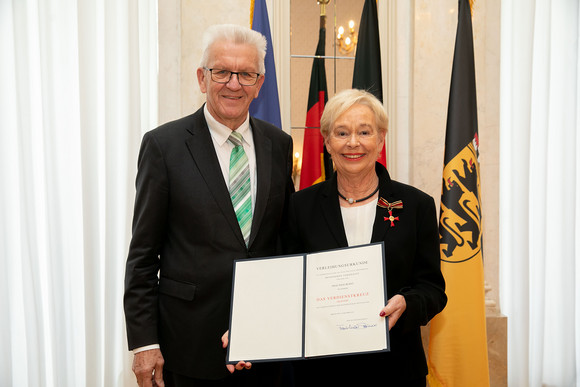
360	204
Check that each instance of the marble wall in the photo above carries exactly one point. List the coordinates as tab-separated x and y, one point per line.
181	26
434	27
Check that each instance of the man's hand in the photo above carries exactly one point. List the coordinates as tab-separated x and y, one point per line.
148	368
241	364
394	309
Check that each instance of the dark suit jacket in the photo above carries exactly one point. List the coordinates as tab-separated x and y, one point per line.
185	238
412	266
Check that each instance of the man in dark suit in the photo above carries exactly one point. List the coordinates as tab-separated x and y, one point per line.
186	232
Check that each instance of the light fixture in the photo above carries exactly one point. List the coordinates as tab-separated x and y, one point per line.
296	168
346	42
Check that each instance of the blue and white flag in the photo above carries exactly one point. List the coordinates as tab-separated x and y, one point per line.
267	105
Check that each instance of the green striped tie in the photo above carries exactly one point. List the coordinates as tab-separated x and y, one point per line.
240	185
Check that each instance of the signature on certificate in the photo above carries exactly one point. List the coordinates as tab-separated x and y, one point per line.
361	325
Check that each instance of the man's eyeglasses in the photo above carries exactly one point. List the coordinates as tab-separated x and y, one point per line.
223	76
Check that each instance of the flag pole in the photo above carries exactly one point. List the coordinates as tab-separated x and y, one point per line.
323	4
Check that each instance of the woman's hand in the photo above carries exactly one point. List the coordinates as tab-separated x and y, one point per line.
394	309
241	364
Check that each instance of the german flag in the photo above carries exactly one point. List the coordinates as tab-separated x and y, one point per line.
316	162
367	64
458	341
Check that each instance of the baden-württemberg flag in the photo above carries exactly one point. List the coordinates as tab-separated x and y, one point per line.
458	340
267	105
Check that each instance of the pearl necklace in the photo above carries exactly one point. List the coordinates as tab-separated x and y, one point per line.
352	201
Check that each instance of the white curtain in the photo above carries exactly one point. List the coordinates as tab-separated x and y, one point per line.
540	190
77	89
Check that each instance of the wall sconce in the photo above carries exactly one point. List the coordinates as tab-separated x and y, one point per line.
297	168
346	43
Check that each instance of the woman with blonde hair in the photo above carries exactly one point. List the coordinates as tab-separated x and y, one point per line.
361	204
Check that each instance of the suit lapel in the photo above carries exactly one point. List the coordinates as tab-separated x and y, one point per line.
202	151
263	148
331	211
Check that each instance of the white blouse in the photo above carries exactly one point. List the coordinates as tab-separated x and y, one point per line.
358	222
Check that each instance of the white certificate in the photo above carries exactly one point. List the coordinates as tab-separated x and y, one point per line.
311	305
344	295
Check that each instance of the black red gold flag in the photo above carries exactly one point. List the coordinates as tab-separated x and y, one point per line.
367	73
458	340
316	163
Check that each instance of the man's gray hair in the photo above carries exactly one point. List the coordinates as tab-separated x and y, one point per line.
236	34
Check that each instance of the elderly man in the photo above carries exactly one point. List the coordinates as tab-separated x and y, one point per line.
211	187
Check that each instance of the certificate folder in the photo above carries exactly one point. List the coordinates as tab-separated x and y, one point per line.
309	305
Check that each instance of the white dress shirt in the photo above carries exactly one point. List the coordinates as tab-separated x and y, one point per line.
358	222
219	135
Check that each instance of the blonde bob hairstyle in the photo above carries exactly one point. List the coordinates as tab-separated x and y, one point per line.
343	101
235	34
